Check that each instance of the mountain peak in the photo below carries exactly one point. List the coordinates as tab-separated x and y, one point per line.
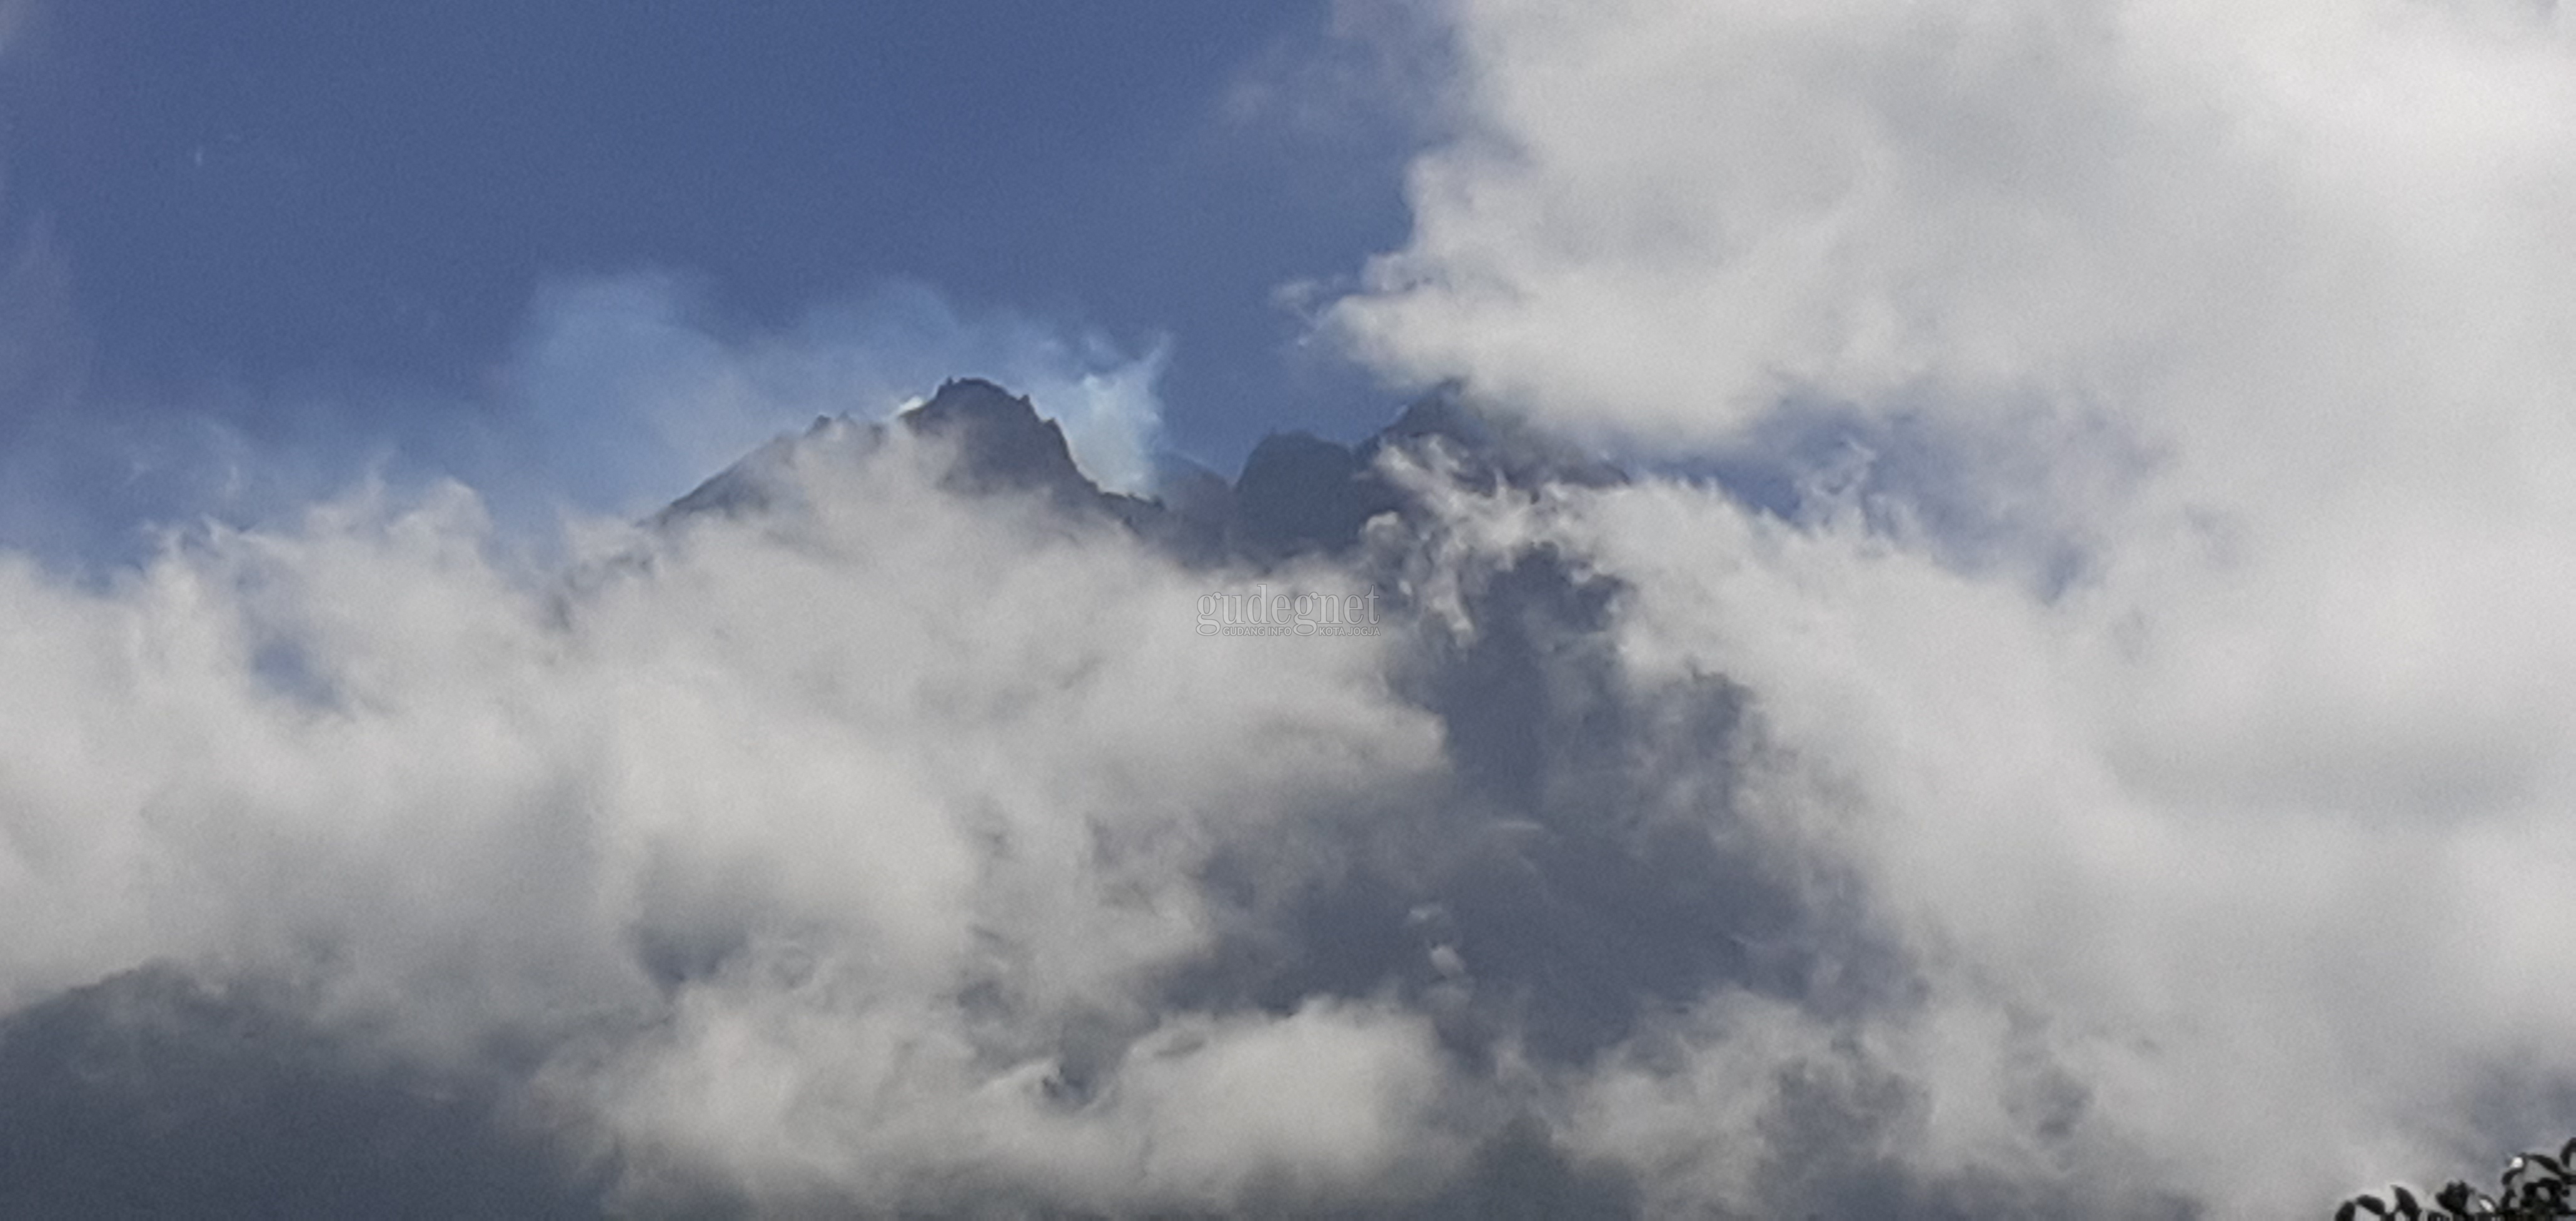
1002	443
1298	494
1444	412
1495	446
973	398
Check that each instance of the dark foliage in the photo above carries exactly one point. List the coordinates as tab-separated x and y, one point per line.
2533	1186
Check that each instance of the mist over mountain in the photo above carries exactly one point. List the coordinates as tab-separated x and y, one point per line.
1945	609
1532	868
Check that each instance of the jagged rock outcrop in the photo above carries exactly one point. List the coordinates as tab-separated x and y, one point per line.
1298	494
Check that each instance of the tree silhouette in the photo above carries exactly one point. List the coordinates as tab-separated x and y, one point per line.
2534	1186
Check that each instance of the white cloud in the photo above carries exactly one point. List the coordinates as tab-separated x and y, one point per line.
2229	814
808	845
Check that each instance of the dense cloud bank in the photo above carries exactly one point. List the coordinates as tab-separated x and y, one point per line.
2169	613
879	829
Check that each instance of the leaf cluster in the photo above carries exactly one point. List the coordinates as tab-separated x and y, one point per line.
2533	1187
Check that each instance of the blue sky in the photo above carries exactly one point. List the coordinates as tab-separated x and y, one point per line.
293	220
